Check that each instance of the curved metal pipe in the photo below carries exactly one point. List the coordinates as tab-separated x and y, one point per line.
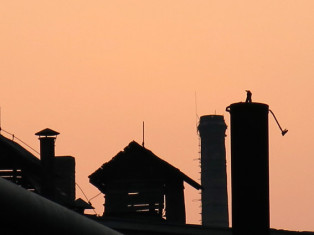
283	132
24	212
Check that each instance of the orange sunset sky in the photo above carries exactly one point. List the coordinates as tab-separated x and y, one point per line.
94	70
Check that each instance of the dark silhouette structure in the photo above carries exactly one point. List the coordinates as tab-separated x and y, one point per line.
50	176
139	185
24	212
144	194
47	139
212	130
58	182
250	168
20	166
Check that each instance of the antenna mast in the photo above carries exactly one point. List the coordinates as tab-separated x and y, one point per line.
0	120
143	134
197	118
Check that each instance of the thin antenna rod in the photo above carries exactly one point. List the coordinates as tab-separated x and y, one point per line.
143	134
195	98
196	115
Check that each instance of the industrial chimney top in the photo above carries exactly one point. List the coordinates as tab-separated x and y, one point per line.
212	122
212	118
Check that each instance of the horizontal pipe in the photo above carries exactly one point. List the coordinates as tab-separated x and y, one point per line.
24	212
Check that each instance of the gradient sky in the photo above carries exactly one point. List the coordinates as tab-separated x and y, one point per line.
94	70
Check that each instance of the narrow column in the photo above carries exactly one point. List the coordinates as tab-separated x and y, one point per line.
47	139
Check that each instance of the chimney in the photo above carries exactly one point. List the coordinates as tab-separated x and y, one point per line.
212	130
47	139
249	168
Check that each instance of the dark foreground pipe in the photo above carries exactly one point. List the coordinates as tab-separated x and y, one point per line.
249	168
24	212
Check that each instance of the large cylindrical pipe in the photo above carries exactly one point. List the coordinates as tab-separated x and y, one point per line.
24	212
249	168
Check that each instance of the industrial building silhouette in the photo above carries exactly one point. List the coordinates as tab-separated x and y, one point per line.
139	185
143	193
50	176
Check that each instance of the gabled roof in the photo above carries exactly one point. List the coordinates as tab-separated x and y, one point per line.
19	154
137	162
14	156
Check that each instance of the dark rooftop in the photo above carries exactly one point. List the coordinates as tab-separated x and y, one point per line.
134	162
24	156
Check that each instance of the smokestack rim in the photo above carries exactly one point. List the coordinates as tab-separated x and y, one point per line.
246	106
212	117
208	121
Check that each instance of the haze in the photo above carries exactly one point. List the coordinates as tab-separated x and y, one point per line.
94	70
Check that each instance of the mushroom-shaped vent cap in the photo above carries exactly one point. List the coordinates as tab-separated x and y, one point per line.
47	132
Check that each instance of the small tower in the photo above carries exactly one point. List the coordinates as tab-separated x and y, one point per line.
58	177
47	139
212	130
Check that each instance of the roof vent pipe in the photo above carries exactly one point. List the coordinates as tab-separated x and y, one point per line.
47	139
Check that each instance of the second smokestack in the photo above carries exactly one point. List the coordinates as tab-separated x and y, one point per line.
212	130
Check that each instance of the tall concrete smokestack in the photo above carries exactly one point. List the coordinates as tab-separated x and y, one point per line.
47	139
249	168
212	130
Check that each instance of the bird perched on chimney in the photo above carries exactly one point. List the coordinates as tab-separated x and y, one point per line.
248	96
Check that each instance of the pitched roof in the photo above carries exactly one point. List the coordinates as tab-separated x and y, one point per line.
14	156
20	153
135	161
